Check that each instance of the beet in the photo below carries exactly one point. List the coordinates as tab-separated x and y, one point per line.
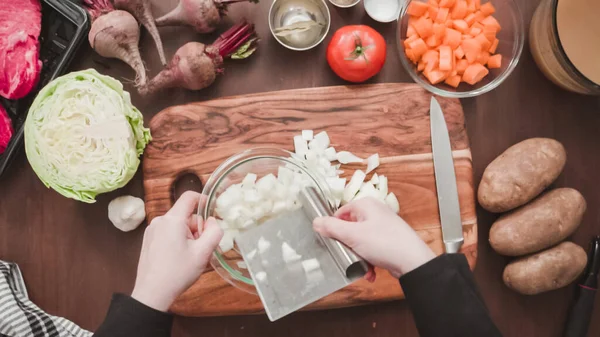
195	66
6	130
202	15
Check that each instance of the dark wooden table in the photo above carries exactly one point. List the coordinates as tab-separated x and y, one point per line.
73	259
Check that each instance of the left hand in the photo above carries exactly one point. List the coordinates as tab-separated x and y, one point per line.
175	251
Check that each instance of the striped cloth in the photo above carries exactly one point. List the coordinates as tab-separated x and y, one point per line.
19	317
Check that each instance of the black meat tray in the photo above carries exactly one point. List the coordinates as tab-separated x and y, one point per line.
64	27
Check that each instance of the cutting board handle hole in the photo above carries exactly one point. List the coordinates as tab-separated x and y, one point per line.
187	181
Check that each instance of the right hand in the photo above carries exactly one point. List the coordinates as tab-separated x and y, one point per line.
373	231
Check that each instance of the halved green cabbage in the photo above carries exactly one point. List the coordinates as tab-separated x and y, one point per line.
83	136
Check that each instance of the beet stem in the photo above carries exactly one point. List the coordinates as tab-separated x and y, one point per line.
233	38
97	8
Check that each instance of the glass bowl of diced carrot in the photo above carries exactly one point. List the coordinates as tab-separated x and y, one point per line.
460	48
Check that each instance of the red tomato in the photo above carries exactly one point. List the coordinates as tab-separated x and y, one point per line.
356	53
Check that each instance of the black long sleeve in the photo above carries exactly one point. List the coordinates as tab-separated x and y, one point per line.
445	301
127	317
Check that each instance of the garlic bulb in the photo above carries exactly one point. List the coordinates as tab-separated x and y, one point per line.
126	212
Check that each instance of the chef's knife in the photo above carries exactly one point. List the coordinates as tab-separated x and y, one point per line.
581	312
445	180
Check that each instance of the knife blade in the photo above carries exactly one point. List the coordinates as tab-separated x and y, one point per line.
445	180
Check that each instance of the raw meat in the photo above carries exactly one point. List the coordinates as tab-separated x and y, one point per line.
6	130
20	26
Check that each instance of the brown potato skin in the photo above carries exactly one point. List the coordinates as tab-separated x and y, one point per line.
551	269
521	173
544	222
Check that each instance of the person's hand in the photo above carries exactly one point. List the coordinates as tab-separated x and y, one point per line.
373	231
175	251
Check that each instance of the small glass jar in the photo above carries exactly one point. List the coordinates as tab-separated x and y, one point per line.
549	54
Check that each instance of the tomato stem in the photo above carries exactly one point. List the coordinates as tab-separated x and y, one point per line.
359	49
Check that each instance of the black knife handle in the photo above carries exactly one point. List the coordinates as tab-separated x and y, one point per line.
581	313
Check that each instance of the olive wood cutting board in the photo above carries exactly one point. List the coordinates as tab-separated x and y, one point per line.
389	119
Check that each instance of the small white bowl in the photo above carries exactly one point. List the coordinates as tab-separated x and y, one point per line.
383	10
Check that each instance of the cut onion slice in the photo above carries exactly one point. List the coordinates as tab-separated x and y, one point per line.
392	201
263	245
375	179
354	185
330	154
346	157
300	146
289	254
307	135
323	139
372	162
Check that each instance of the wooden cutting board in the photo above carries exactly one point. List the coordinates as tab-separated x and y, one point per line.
389	119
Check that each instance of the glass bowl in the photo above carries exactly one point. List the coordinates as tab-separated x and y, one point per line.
511	38
260	161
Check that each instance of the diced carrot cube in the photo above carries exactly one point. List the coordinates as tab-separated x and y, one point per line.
459	11
433	3
475	31
409	40
412	20
433	10
453	81
419	47
446	58
475	73
439	30
452	38
431	56
410	55
433	41
461	66
442	15
479	16
487	9
494	46
435	76
449	23
471	6
453	73
477	4
410	31
447	3
491	21
416	8
476	24
459	53
472	49
485	43
421	66
470	19
490	33
424	27
495	61
483	57
461	25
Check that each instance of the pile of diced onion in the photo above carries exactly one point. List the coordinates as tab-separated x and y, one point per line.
251	202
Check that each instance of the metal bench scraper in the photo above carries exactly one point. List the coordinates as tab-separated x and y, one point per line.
292	265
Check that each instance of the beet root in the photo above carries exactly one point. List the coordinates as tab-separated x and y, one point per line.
195	66
141	10
116	34
203	15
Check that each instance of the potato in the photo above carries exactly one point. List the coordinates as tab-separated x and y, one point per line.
544	222
521	173
548	270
